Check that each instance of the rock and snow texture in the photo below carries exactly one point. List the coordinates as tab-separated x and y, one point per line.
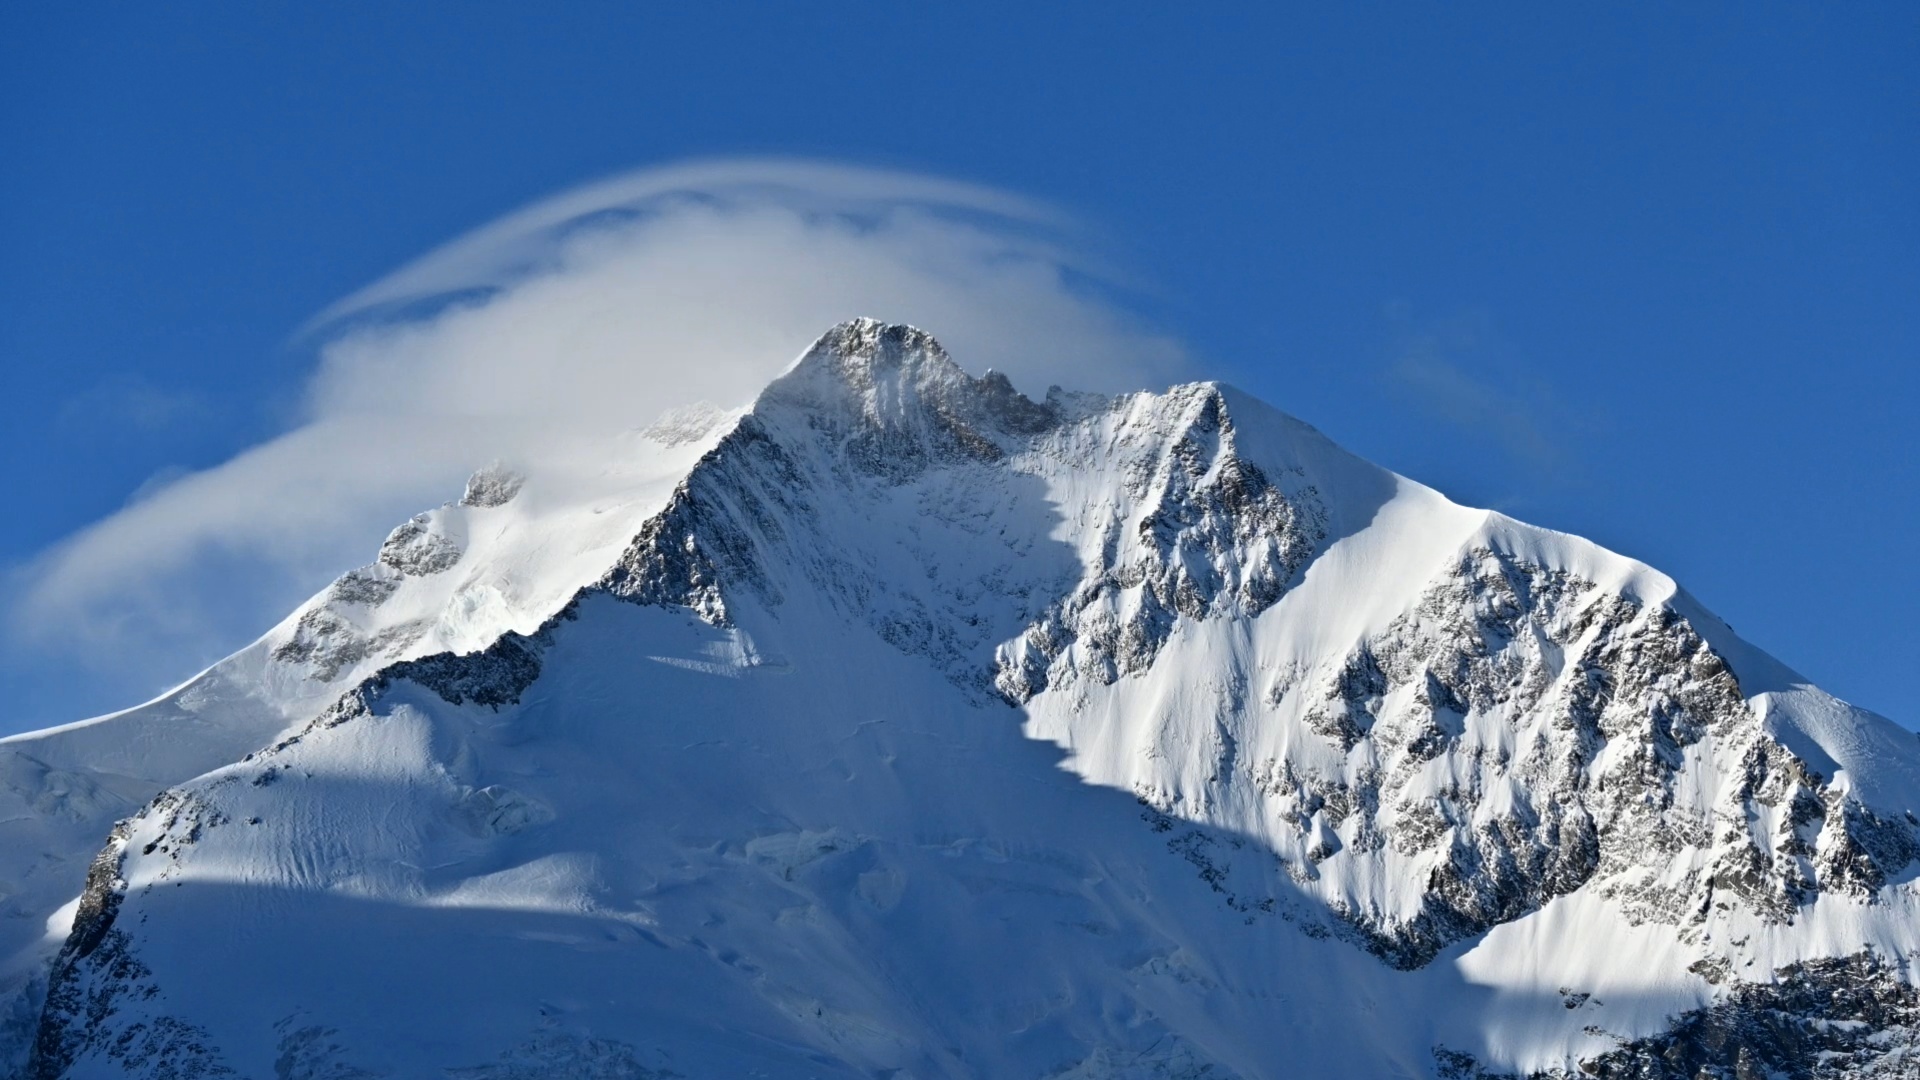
902	725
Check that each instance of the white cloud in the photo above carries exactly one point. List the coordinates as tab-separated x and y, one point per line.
589	312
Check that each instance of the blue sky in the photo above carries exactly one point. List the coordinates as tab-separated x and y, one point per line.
1646	276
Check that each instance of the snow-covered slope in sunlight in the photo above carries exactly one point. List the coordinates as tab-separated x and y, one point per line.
902	725
509	554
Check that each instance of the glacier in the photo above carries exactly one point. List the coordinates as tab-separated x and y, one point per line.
901	725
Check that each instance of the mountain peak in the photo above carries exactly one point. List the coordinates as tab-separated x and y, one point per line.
889	393
869	359
1267	757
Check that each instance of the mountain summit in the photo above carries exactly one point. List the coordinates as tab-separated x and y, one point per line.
902	725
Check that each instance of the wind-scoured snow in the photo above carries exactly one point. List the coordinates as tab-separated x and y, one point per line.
902	725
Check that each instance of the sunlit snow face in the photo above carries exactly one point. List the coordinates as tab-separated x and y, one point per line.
535	337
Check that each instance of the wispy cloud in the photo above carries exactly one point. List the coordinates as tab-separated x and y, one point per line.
587	313
1512	412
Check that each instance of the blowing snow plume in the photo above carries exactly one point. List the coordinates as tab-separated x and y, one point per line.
534	339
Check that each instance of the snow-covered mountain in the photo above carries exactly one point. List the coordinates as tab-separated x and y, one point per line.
900	725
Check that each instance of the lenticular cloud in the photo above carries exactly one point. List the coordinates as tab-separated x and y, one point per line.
534	338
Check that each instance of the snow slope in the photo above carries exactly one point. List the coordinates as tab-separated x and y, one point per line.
905	726
518	552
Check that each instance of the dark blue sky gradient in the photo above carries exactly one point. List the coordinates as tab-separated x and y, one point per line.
1650	277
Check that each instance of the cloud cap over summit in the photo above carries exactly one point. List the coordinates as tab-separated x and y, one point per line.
533	338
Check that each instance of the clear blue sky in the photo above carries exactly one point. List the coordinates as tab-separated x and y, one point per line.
1647	276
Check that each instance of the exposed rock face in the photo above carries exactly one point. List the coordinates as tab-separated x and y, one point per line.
681	555
1845	1018
341	630
99	973
1520	733
328	642
1515	719
329	638
495	485
494	677
1213	536
417	548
